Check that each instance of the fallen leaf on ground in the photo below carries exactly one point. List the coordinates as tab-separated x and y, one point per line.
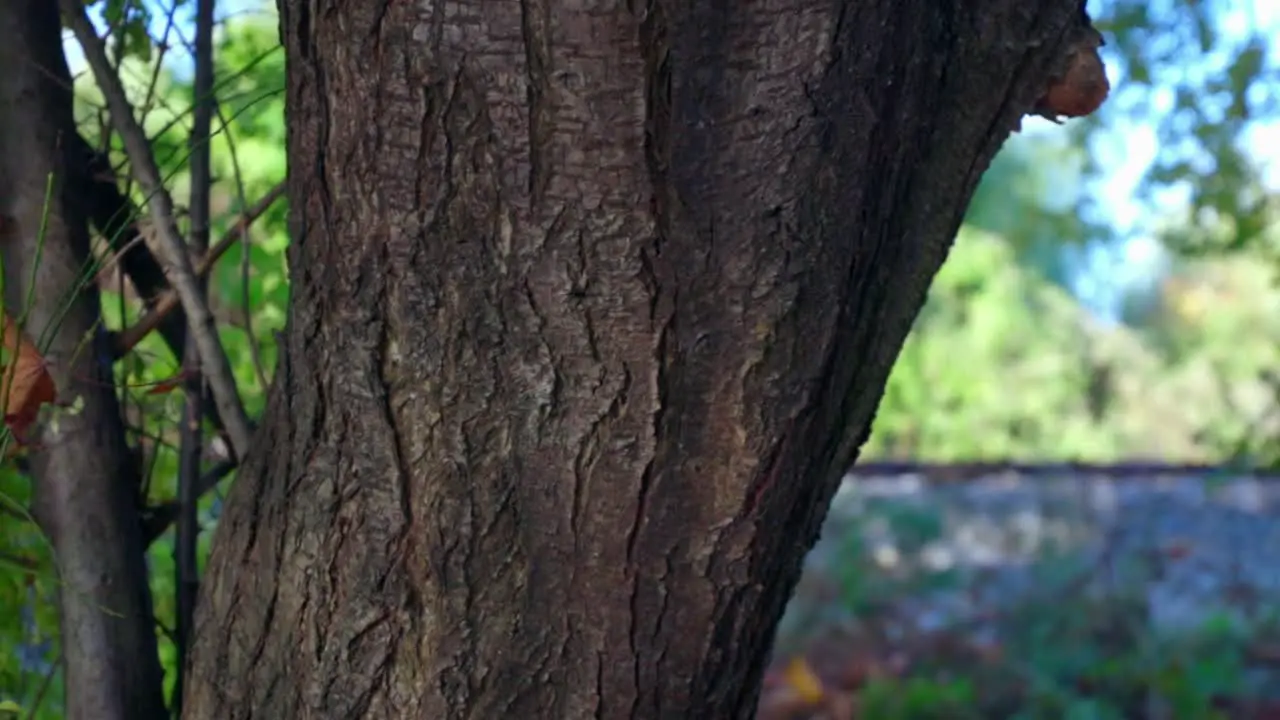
803	682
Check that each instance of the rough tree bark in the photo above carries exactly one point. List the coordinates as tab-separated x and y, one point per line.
593	303
86	481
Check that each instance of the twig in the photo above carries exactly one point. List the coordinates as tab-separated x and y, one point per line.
162	48
171	319
34	711
168	301
245	306
168	245
115	217
192	435
187	582
160	517
25	563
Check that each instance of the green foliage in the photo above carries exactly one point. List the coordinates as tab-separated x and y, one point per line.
1196	73
248	293
917	699
1003	361
1029	197
1002	364
128	20
988	314
28	587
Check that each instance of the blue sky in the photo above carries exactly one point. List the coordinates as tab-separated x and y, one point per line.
1127	148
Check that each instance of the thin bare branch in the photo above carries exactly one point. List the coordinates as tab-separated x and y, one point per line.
187	582
117	221
19	561
245	306
158	520
43	691
167	302
168	245
162	48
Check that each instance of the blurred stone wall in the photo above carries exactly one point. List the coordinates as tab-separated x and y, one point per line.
961	541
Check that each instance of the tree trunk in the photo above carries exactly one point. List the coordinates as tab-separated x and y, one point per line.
592	307
85	495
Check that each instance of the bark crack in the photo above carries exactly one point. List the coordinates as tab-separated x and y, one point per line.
537	70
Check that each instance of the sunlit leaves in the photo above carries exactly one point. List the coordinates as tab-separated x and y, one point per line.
1194	72
1002	364
155	69
128	21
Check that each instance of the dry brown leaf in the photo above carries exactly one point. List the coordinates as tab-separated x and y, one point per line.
25	383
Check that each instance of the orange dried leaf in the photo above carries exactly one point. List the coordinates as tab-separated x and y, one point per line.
25	382
801	679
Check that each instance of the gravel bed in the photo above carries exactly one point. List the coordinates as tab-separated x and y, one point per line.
1193	546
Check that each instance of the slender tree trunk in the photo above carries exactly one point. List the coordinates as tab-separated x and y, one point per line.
86	480
592	307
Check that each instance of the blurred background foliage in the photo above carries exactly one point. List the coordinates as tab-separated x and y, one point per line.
248	292
1111	296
